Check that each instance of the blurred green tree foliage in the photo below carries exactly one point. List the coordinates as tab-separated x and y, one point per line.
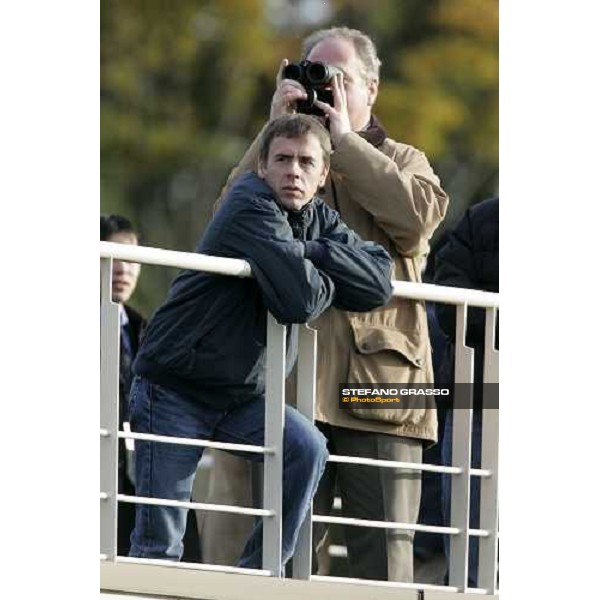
186	85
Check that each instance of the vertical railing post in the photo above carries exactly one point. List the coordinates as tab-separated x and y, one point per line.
462	415
488	546
109	411
306	387
274	422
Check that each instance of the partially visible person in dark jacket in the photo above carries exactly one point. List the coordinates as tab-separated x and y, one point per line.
200	372
468	260
428	548
118	229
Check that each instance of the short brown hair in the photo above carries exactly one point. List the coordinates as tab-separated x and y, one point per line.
294	126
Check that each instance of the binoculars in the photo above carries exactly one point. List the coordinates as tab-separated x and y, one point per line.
316	79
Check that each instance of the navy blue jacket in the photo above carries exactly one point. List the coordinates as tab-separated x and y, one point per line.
208	339
469	259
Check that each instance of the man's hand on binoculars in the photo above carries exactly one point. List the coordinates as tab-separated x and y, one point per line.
339	119
286	95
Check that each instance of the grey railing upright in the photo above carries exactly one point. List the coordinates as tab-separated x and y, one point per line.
490	443
109	412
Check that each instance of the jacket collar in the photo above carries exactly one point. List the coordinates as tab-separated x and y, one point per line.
299	220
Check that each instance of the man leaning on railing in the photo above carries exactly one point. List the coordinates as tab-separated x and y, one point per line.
200	372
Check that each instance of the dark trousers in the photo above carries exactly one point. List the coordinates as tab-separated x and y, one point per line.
168	470
375	493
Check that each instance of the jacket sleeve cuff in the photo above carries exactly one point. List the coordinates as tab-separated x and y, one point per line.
315	251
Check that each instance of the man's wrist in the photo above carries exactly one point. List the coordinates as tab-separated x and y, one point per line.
314	251
337	137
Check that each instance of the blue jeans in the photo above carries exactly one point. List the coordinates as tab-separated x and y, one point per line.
167	470
475	490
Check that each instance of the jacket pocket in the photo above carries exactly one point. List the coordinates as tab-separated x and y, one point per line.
382	356
372	339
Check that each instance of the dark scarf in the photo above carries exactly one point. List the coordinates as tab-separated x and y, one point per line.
374	133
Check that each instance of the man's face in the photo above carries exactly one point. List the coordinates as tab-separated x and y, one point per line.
360	93
124	274
294	169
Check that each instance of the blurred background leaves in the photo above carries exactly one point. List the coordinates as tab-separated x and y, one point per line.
186	85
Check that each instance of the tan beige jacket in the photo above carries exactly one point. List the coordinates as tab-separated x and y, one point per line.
392	196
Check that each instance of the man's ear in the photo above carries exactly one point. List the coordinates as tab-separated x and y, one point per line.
261	170
372	89
323	176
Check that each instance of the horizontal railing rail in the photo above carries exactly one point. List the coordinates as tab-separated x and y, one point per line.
224	508
240	268
461	470
176	259
168	439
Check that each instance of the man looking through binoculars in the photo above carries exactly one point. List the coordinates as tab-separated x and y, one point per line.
354	91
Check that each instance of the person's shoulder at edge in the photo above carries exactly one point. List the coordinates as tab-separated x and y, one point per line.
477	216
488	207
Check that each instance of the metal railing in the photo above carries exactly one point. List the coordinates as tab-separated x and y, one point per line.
460	470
